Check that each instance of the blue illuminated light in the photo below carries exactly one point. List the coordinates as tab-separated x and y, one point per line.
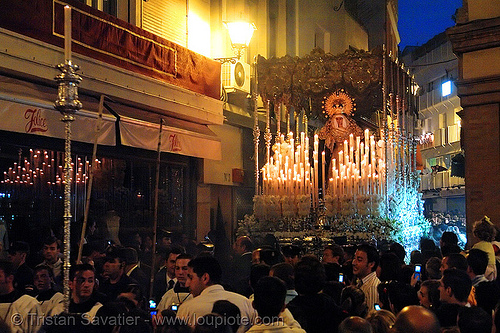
446	88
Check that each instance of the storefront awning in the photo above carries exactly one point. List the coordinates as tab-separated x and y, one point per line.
27	108
140	129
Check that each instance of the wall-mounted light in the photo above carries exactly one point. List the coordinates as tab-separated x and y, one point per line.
240	34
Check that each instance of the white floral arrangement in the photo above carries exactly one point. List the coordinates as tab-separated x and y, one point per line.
331	205
288	206
303	204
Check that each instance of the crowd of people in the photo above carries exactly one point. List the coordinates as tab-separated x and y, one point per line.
256	288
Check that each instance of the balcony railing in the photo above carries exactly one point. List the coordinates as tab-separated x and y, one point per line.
439	180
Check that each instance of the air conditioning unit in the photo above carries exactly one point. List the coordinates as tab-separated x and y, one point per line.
236	77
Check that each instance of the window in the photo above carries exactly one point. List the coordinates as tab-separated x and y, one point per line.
446	88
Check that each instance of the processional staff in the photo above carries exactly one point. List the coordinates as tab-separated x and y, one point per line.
68	104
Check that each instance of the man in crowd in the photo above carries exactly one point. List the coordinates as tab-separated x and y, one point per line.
292	254
364	264
82	282
454	289
51	301
477	262
115	279
269	301
315	311
285	273
13	304
23	274
241	264
165	278
453	260
204	276
133	270
50	252
179	293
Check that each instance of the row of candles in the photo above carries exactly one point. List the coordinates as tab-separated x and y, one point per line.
41	168
359	169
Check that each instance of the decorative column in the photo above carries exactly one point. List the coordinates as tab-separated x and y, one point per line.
68	104
256	131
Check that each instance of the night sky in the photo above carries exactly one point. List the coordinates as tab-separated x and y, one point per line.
420	20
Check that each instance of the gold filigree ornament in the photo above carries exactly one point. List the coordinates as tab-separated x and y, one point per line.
339	102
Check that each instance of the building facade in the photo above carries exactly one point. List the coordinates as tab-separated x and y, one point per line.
442	184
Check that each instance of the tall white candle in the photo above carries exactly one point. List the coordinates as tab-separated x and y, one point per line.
67	33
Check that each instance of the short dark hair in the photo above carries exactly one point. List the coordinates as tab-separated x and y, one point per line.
433	292
115	252
269	297
257	271
456	260
51	240
310	276
477	261
371	254
449	237
42	267
228	311
184	256
459	282
474	319
247	243
336	250
80	268
284	272
209	265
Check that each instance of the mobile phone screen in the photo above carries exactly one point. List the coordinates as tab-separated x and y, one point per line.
341	277
376	306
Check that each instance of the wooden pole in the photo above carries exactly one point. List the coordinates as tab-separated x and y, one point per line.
155	210
91	178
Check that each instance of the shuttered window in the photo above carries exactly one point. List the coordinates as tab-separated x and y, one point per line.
166	18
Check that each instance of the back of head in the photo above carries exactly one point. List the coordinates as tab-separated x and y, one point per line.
381	320
390	266
352	300
398	250
484	229
257	272
459	282
355	325
211	323
432	268
474	319
477	261
456	260
229	311
310	276
129	255
416	319
402	295
269	297
284	272
449	238
209	265
247	243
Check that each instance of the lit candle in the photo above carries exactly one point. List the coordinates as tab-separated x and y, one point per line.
67	33
323	175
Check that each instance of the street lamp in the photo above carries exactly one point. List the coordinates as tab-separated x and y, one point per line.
240	34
